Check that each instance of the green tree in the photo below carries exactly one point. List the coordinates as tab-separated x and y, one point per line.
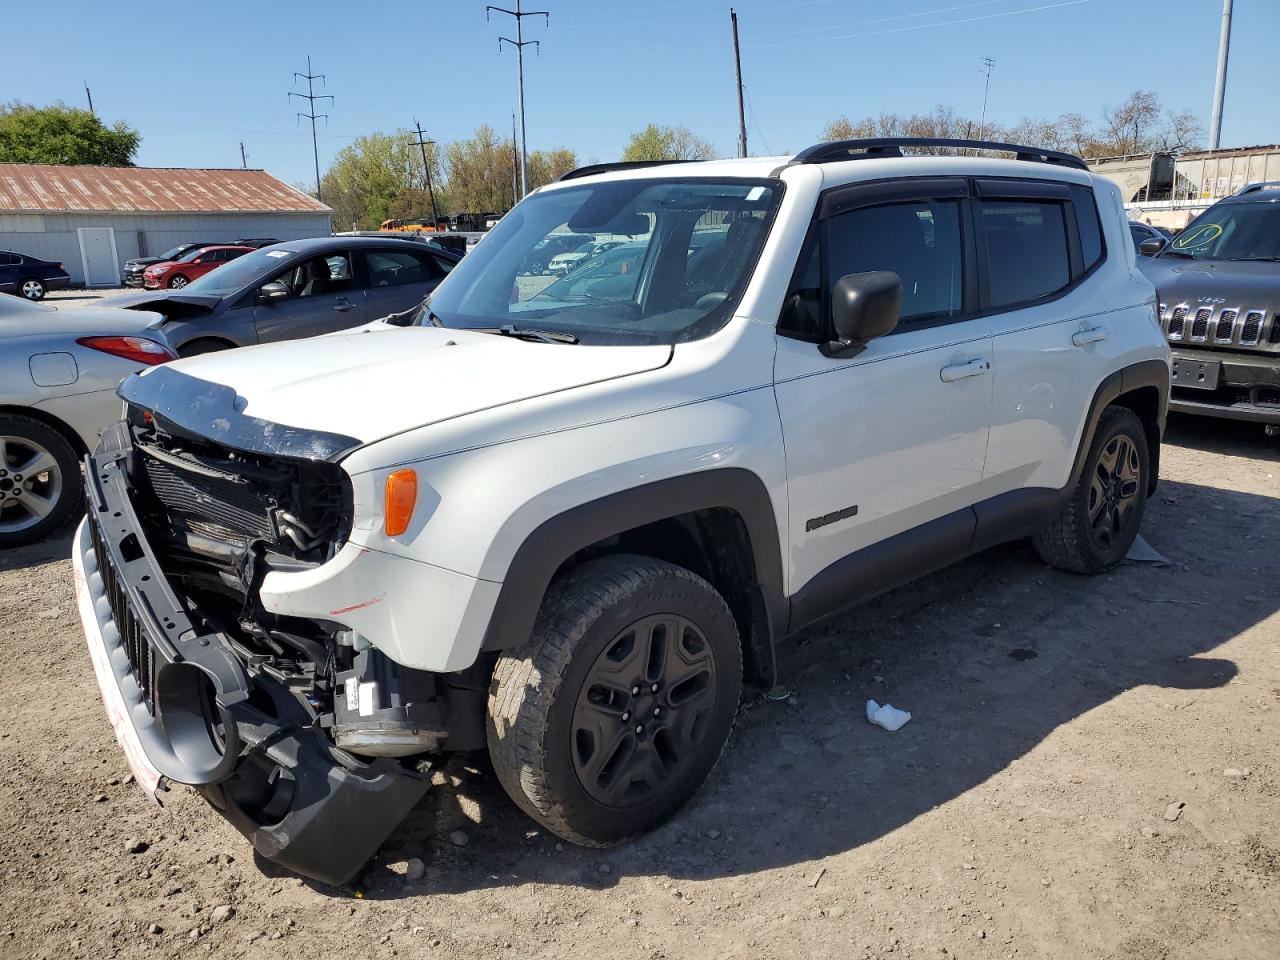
370	178
656	142
546	166
62	134
480	173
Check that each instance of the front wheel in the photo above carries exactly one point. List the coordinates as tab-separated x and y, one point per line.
178	282
612	716
39	480
1098	526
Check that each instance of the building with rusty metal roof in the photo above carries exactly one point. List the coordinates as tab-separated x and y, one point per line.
94	219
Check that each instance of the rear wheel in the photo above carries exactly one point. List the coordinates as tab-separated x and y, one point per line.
39	480
1099	524
613	715
32	289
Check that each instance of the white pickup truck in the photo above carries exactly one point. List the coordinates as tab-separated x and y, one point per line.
569	525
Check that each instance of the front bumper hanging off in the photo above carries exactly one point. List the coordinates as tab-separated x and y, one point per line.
184	708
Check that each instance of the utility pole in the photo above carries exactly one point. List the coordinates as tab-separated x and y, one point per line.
244	161
1220	88
515	164
311	97
520	43
426	165
90	96
737	70
987	62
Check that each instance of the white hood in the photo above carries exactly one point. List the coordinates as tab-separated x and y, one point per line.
375	382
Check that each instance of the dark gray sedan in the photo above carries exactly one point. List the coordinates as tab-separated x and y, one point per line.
300	288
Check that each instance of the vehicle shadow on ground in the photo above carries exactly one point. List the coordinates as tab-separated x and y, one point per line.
49	550
990	656
1235	438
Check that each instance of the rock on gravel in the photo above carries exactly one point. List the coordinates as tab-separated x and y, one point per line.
134	845
222	913
459	838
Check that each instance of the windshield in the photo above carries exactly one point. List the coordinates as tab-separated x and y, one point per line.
1232	231
176	252
662	261
240	272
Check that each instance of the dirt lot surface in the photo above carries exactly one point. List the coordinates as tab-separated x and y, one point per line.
1092	770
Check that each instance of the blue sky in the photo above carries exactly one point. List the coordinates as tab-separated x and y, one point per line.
197	79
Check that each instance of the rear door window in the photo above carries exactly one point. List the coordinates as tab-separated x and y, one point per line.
392	268
1027	251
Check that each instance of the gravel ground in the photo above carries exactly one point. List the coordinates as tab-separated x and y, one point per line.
1091	771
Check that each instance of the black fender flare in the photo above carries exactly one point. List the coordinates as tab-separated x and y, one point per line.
1146	373
558	538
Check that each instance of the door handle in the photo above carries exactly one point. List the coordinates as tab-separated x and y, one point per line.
1084	337
342	306
959	371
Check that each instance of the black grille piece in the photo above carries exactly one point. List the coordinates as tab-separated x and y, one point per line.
1200	325
225	502
1176	321
1252	327
136	646
1275	328
1226	326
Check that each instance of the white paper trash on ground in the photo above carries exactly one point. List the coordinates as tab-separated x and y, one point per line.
891	718
1143	552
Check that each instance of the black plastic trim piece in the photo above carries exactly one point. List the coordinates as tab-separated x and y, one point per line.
872	147
876	569
1008	188
594	168
835	516
557	539
870	193
876	147
209	410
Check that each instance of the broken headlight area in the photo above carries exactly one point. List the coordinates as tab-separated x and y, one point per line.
219	520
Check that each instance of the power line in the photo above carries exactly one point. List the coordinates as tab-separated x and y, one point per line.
311	97
421	143
520	43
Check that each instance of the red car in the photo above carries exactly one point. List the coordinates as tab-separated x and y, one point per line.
176	274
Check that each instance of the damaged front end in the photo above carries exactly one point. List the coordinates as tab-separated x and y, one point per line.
307	739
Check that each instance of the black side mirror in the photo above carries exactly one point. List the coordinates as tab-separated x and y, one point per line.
863	306
275	290
1149	248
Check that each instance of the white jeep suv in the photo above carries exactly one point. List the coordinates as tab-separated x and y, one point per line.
570	524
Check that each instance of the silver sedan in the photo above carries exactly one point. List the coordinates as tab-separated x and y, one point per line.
59	370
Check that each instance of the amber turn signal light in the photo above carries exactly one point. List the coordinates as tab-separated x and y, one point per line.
402	494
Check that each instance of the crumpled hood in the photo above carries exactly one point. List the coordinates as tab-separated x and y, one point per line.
1245	285
374	382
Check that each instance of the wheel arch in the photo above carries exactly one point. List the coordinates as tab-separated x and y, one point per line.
1143	387
223	343
719	523
49	420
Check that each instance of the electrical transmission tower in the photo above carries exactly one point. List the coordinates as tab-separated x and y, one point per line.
311	97
422	143
520	43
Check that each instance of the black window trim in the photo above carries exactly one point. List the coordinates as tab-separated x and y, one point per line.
862	194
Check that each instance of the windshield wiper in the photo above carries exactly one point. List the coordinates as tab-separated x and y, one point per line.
526	333
1254	259
1178	253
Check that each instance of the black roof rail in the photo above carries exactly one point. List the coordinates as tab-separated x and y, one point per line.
862	149
595	168
1259	185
